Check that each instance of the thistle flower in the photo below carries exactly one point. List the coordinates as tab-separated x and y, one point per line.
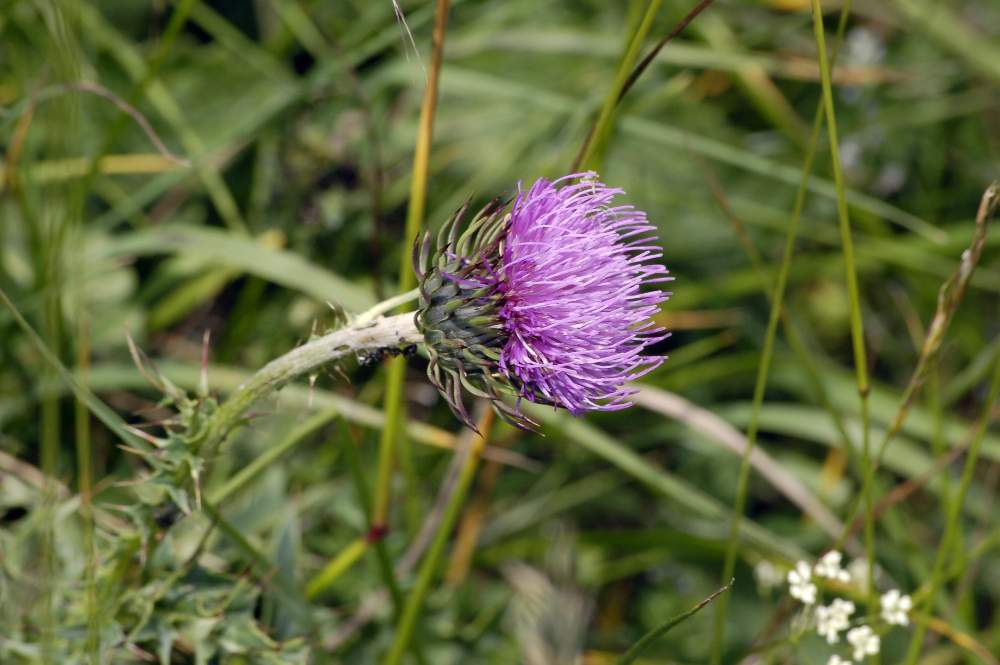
541	298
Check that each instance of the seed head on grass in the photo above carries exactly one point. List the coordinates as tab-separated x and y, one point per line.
543	298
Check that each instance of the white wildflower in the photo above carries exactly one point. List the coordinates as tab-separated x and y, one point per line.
858	570
896	608
799	585
767	575
829	567
837	660
864	641
833	618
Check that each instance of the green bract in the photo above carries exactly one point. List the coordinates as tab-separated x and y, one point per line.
459	311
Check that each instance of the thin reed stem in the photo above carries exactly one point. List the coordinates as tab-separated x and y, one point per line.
373	540
392	432
429	567
857	328
949	297
592	151
953	522
763	369
262	463
650	637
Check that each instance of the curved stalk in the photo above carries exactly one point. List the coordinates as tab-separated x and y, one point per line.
385	332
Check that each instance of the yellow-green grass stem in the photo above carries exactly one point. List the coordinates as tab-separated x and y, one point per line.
248	474
85	484
349	444
592	151
857	328
953	522
429	567
777	304
392	433
337	566
650	637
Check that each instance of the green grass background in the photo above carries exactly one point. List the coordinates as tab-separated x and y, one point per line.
288	130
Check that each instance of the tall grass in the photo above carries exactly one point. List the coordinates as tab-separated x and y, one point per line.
171	169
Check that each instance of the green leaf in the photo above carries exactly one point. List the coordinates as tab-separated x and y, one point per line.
237	251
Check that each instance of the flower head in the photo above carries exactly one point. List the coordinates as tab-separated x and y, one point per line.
837	660
543	298
799	584
858	572
864	641
767	574
896	608
833	618
828	566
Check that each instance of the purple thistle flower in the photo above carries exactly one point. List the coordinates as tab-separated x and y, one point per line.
544	299
572	271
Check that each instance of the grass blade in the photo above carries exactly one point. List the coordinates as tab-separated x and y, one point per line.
633	653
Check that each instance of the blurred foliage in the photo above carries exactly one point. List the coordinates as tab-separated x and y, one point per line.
288	129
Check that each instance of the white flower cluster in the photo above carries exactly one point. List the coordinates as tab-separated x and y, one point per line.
865	642
800	578
767	574
835	618
800	585
896	608
828	566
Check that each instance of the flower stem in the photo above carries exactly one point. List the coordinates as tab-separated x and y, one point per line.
386	332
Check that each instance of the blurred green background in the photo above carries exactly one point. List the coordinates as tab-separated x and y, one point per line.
236	166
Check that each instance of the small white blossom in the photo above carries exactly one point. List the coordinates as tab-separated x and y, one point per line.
864	641
837	660
767	575
858	570
896	608
799	585
833	618
829	567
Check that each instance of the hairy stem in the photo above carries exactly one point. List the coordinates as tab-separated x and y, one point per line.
387	332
